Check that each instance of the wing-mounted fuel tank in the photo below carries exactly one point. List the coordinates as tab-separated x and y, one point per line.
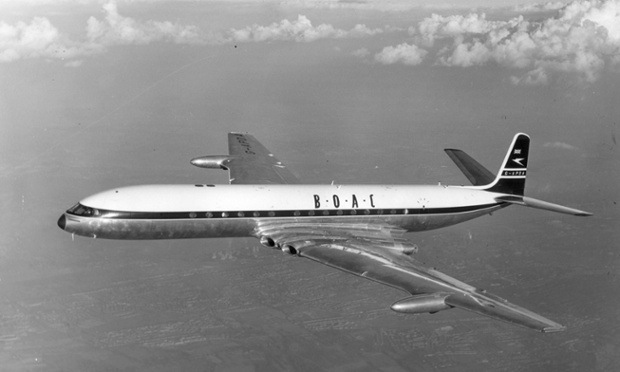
426	303
212	161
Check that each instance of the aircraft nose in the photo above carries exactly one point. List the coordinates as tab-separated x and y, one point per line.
62	222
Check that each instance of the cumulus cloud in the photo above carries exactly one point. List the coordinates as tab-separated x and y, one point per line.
39	38
300	30
383	5
539	7
560	145
408	54
74	63
361	53
441	27
582	39
117	29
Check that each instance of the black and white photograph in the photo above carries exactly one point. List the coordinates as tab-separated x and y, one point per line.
309	185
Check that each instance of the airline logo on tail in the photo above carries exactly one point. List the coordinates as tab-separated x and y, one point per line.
518	160
516	164
511	177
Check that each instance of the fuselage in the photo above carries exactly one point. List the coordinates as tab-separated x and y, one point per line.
204	211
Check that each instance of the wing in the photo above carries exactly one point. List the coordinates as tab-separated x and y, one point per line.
380	253
251	163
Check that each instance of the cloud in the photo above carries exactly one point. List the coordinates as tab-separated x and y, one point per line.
361	53
441	27
117	29
39	38
74	63
382	6
582	39
300	30
539	7
560	145
407	54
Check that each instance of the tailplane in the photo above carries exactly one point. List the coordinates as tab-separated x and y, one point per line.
510	180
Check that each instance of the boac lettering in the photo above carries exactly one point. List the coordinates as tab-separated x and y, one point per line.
336	201
355	201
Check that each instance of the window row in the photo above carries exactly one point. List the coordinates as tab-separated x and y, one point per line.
81	210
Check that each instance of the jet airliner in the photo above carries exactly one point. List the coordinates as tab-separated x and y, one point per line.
355	228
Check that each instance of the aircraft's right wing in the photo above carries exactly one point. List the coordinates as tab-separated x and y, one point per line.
381	254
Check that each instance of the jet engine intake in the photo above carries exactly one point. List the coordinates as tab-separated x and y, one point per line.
267	241
426	303
287	248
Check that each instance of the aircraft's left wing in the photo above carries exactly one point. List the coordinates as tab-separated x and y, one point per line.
252	163
380	253
248	162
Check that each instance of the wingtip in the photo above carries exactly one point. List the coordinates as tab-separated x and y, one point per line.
584	214
555	328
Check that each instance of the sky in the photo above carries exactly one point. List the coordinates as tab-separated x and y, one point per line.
98	94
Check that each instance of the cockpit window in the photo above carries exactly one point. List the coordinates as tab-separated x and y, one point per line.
80	210
75	209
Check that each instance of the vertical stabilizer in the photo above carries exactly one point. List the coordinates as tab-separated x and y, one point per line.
511	176
510	180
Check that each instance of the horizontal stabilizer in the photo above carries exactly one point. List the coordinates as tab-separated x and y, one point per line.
540	204
475	172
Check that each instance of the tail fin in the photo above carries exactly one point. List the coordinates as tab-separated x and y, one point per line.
511	176
510	180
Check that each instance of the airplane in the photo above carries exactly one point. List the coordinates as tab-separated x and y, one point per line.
358	229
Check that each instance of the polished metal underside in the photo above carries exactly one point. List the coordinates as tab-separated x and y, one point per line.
184	228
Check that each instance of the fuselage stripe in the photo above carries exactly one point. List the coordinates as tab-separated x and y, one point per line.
110	214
